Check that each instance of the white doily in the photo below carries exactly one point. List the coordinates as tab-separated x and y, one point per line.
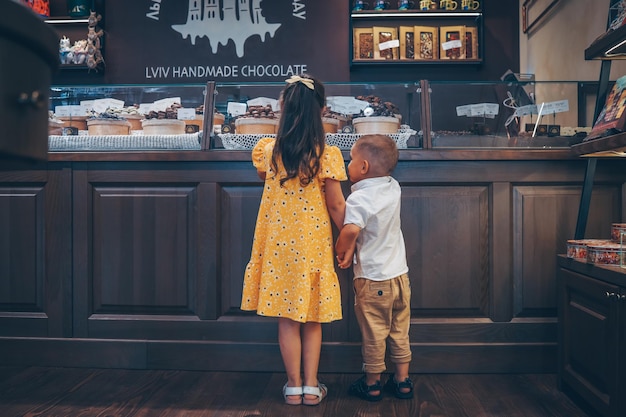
242	142
346	140
124	142
233	141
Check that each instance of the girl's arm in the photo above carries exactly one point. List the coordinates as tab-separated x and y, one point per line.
346	244
261	174
335	202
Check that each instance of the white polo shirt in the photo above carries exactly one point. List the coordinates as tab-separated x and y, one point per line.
374	206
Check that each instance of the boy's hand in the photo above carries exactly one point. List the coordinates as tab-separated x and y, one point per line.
346	245
343	260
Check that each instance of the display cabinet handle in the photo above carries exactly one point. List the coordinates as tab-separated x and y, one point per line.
610	295
35	99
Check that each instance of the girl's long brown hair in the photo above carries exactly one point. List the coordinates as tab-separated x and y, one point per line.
300	138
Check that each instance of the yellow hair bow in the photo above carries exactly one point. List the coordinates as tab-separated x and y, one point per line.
306	81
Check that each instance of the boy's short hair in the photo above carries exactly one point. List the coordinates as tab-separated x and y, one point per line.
380	151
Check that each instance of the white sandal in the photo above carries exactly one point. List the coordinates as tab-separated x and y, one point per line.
291	392
320	392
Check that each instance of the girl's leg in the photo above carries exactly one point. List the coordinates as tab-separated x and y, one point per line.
311	351
290	350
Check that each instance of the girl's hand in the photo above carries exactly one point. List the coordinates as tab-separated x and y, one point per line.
343	261
346	245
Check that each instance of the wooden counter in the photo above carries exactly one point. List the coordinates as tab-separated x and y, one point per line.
136	260
592	335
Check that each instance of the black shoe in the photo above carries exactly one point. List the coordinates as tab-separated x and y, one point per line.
362	390
396	387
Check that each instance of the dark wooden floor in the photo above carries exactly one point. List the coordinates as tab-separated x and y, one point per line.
36	392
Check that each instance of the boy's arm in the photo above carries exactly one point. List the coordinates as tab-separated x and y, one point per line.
346	244
335	202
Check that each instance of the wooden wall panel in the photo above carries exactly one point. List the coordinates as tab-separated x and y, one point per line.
35	255
446	234
143	262
21	248
239	209
544	218
145	254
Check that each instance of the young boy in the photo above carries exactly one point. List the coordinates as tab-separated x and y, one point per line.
372	236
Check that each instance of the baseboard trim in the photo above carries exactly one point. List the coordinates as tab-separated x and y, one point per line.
265	357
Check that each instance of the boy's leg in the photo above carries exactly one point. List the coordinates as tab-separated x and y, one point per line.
399	344
401	374
371	379
372	307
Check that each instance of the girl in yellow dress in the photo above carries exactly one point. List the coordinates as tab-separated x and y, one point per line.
291	274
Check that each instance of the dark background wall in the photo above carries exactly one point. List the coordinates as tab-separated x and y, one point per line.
141	45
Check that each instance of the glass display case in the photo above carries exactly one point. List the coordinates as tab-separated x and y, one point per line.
505	114
257	103
399	104
517	114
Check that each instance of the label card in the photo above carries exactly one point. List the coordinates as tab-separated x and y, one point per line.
560	106
525	110
186	114
346	104
87	104
451	45
395	43
263	101
236	109
164	103
102	104
463	110
484	109
145	108
489	110
68	111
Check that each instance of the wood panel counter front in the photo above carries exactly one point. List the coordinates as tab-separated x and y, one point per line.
136	260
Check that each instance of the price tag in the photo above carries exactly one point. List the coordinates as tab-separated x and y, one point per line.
395	43
186	114
263	101
145	108
451	44
102	104
236	109
68	111
525	110
484	109
164	103
489	110
345	104
87	104
552	107
463	110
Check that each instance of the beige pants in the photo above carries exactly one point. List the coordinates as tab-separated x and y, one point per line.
383	310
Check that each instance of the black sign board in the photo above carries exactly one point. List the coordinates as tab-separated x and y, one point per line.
191	41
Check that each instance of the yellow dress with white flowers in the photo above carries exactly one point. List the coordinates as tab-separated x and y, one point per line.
291	272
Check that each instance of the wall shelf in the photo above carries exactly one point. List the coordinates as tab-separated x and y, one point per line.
427	14
465	26
368	62
65	20
611	45
609	146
